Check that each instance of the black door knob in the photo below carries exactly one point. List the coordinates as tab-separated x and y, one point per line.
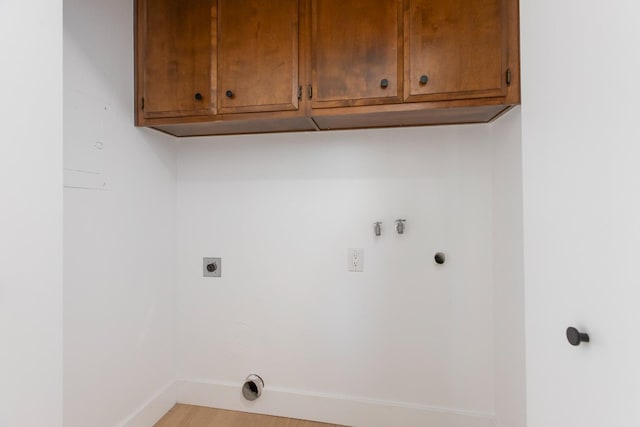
384	83
229	94
576	337
424	79
212	267
198	96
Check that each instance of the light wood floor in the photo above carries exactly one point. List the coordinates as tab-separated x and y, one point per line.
197	416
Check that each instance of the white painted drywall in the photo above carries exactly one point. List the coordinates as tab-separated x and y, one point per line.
581	157
282	210
31	214
119	244
508	275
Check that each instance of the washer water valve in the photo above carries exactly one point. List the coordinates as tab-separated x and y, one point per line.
377	228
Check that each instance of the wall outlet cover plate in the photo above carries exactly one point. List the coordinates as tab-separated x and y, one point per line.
355	260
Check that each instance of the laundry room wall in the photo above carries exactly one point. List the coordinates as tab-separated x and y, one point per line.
282	211
119	231
31	213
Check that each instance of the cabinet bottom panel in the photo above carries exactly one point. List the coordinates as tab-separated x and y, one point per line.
443	116
237	127
339	118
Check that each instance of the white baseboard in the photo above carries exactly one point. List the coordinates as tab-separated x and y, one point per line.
153	409
336	409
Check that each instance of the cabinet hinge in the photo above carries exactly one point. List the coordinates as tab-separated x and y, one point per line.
310	92
299	93
508	77
142	104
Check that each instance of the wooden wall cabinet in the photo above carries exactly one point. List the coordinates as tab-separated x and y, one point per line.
208	67
356	50
457	49
257	55
174	57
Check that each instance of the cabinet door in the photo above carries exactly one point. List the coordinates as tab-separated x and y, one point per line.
258	55
356	52
455	49
177	49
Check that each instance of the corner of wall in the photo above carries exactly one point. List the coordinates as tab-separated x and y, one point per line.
152	410
508	272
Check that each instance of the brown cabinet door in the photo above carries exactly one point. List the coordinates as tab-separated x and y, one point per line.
455	49
257	55
356	52
177	54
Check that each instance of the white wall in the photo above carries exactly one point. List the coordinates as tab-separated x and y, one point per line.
508	275
581	154
119	248
31	214
282	210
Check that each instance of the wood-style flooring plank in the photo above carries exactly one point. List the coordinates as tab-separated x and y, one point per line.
197	416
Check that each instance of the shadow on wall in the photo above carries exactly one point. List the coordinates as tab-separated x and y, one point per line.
393	153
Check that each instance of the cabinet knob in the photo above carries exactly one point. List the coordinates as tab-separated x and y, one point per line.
229	94
384	83
198	96
424	79
576	337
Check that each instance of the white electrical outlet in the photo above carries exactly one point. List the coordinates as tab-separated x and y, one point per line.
355	260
